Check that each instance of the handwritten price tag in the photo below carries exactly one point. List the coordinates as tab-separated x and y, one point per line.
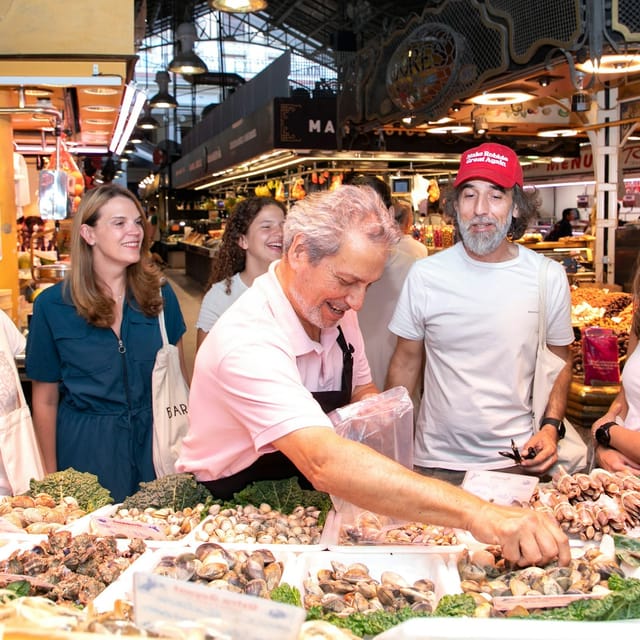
160	603
500	488
127	529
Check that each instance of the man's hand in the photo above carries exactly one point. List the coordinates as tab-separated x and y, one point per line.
545	443
613	461
527	537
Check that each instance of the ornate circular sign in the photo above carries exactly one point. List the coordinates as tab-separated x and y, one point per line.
423	66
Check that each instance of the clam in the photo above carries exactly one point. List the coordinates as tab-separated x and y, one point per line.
471	571
392	578
547	586
273	575
424	584
333	602
356	573
211	568
257	587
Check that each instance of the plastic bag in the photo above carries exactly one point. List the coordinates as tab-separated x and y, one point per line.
600	356
62	162
383	422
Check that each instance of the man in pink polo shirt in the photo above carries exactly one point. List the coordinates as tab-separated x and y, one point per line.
290	350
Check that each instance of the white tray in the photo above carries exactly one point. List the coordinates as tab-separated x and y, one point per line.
193	539
507	629
441	569
122	589
331	540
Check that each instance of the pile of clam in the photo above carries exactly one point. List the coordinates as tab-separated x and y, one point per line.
484	575
346	589
260	525
173	524
40	514
590	505
255	572
370	528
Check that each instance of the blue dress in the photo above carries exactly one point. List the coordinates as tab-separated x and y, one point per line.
105	417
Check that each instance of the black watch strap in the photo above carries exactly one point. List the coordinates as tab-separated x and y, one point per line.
603	436
558	424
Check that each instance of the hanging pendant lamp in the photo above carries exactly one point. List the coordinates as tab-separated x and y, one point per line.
238	6
147	121
163	99
187	62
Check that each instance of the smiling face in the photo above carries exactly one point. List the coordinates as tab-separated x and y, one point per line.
484	212
263	240
117	235
321	293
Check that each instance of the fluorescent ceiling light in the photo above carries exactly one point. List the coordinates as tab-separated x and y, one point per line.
557	133
132	104
452	130
611	64
501	97
64	81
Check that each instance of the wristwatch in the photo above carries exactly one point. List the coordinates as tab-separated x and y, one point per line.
558	424
603	436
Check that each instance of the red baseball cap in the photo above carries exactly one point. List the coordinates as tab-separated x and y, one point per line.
491	162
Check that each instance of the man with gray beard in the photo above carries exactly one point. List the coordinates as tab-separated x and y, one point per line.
474	309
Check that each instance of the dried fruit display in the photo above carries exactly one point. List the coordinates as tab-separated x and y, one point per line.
600	307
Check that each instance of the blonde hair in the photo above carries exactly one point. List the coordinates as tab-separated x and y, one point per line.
87	293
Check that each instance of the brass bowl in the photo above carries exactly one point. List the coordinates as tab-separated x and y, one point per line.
50	272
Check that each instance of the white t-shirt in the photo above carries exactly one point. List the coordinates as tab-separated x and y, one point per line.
479	321
376	311
12	342
631	386
216	301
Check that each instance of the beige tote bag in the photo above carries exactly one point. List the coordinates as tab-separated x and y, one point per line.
19	448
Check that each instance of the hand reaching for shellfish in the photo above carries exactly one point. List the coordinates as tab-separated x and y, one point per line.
527	537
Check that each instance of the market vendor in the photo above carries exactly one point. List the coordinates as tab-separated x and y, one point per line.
289	351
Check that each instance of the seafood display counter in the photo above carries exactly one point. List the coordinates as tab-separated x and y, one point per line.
378	577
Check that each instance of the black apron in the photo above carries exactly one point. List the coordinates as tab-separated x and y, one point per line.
276	466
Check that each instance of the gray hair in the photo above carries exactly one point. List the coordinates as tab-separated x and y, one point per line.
324	218
527	201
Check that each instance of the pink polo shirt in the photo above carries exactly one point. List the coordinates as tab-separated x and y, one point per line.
253	379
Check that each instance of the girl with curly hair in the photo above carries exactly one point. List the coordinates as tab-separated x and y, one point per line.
252	240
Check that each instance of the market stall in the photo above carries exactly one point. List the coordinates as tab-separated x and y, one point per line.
172	561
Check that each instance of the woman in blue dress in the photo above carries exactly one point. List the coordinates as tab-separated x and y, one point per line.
92	344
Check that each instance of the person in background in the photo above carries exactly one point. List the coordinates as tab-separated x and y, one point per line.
92	345
380	301
617	433
154	235
12	343
563	228
403	213
252	239
289	351
473	310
